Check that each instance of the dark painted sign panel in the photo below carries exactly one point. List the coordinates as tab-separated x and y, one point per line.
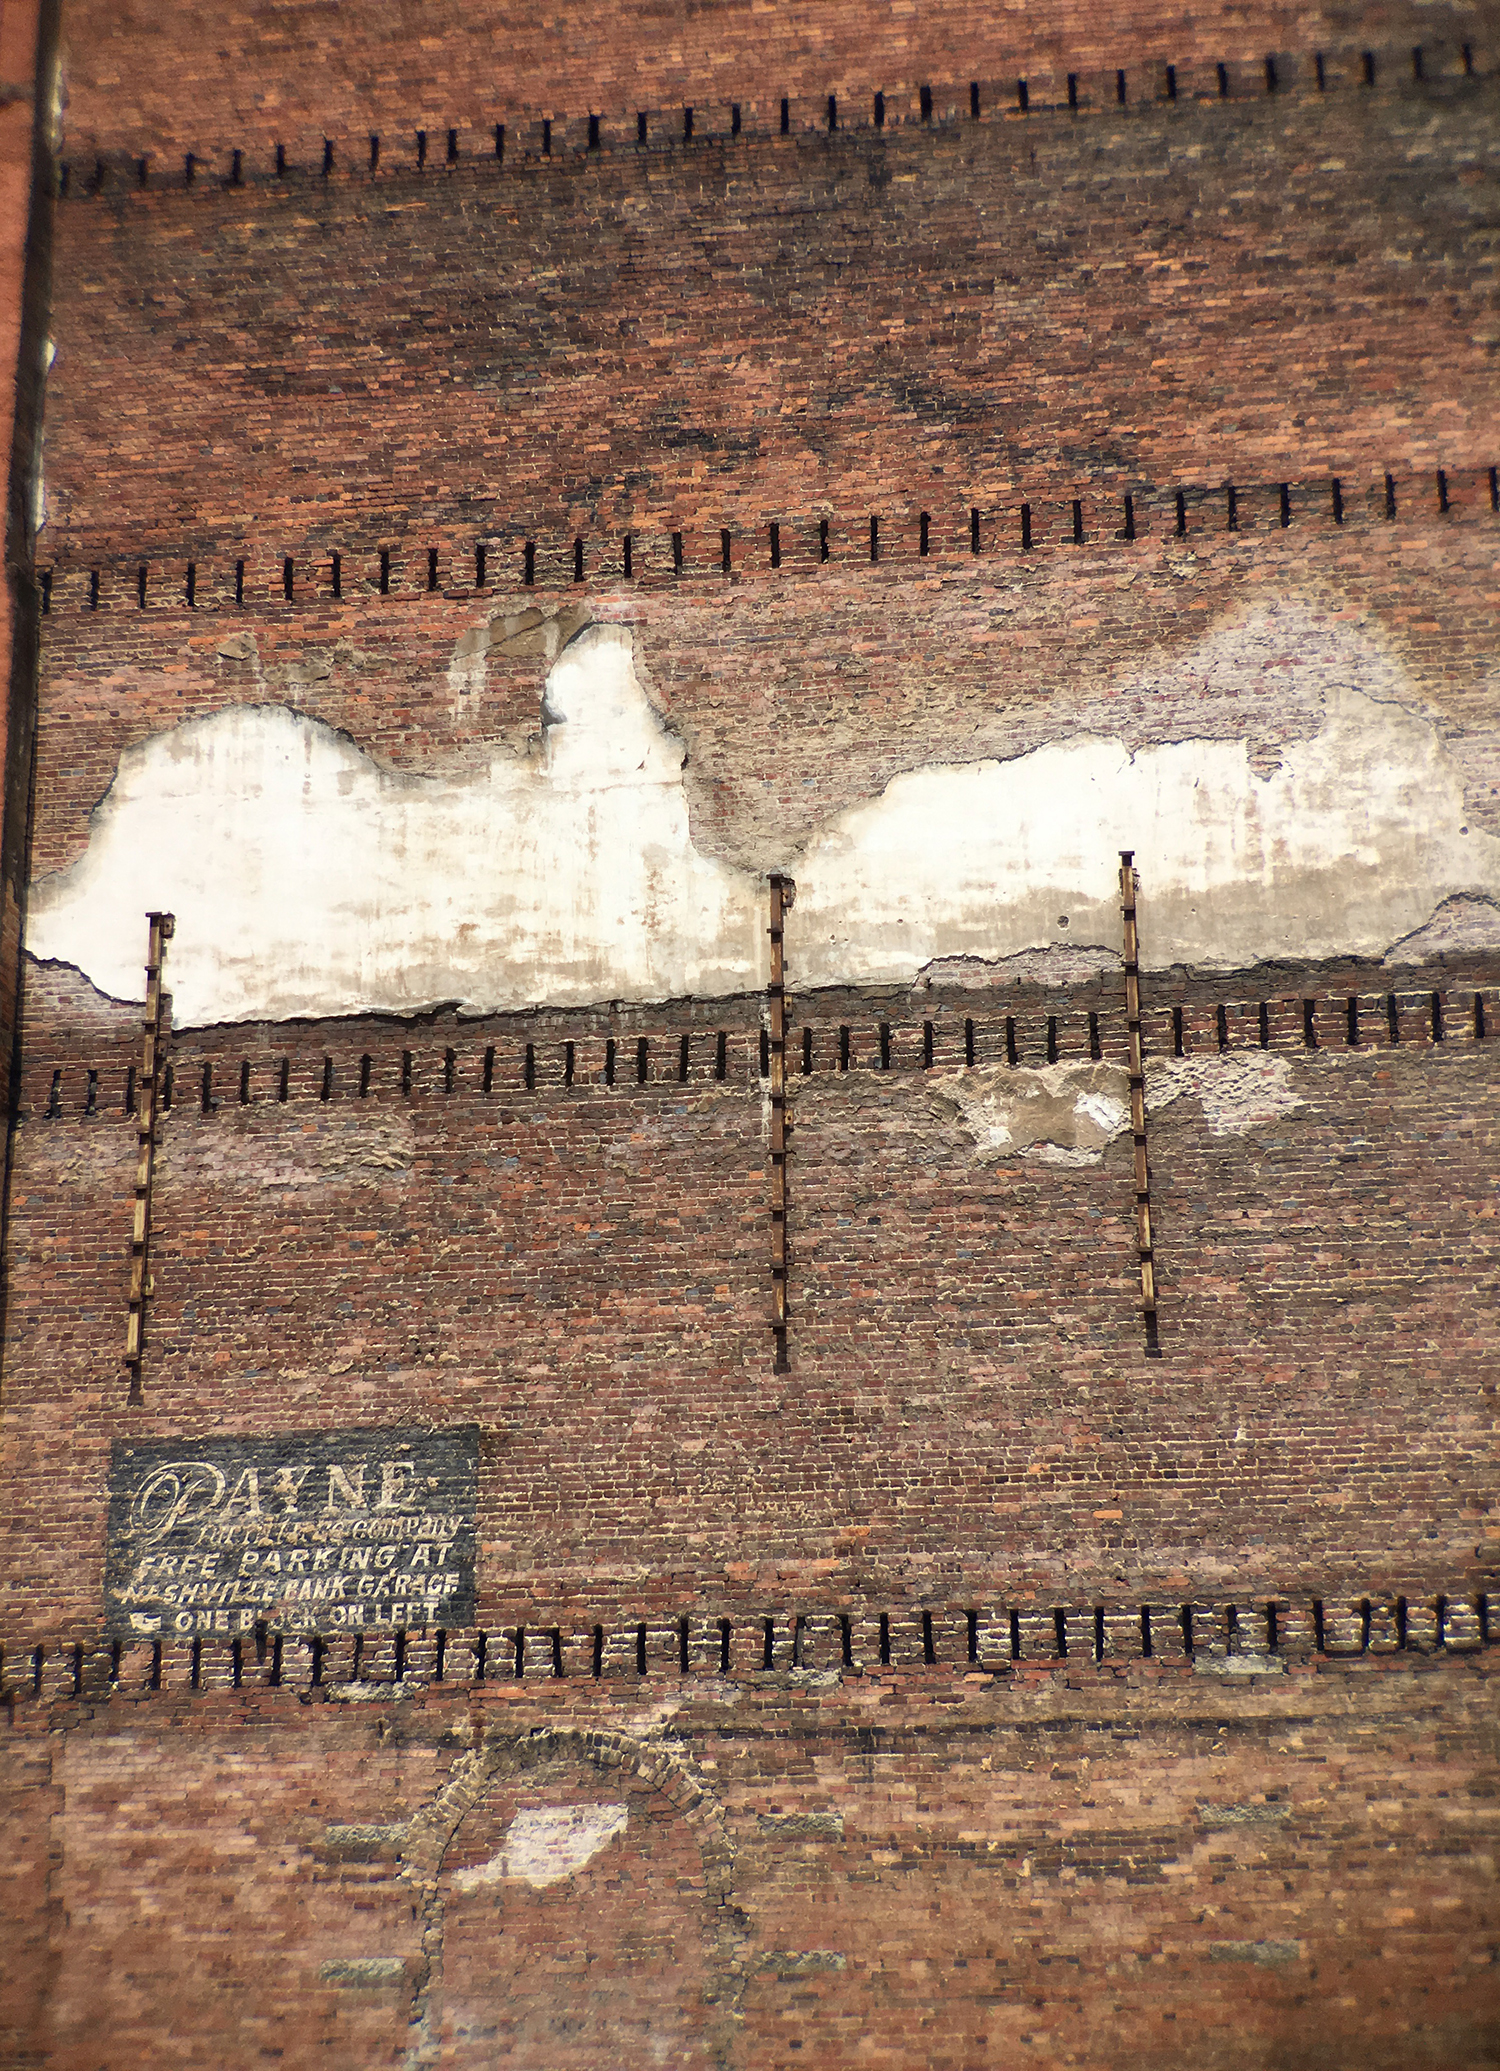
327	1532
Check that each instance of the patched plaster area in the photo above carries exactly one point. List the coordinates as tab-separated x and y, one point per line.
308	879
1063	1114
350	1149
547	1843
1068	1114
1349	843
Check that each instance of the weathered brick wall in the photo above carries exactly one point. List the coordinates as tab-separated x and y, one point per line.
997	1683
1226	1873
802	691
1174	296
972	1414
152	80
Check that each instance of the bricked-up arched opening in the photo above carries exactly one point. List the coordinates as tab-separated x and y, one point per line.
576	1911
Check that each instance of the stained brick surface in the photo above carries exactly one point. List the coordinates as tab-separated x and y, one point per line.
996	1685
1186	297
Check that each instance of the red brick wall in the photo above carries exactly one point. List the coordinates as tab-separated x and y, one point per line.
775	331
985	1689
154	79
972	1416
963	1871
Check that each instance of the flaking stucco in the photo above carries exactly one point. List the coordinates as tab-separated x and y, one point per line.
308	879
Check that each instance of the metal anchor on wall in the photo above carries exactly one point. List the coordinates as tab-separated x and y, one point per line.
154	1026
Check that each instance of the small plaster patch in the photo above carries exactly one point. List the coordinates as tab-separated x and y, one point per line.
1066	1114
1241	1090
1256	1813
803	1826
1269	1954
335	1150
547	1843
1063	1114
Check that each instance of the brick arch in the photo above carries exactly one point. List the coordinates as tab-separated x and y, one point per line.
507	1757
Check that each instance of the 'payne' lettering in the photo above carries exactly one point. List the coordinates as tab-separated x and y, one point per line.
308	1532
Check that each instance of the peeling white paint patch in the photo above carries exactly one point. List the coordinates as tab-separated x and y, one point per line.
1068	1114
308	880
1063	1114
1241	1090
547	1843
1353	840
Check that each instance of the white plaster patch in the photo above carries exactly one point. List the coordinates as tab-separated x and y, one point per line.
306	879
1240	1090
1350	842
1067	1114
547	1843
1063	1114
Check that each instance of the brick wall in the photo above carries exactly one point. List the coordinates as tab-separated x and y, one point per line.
1000	1683
726	337
154	81
909	1867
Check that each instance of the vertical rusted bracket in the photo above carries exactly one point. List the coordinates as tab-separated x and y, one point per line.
776	1059
154	1024
1138	1097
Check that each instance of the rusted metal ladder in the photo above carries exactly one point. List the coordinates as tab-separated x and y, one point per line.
1138	1095
776	1063
154	1023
